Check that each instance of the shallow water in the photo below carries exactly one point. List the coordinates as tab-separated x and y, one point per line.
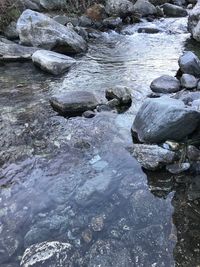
58	176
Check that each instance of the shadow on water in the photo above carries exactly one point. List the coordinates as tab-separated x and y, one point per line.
72	180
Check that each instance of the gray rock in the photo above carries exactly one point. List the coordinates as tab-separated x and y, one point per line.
112	22
188	97
89	114
15	52
149	29
198	86
74	102
188	81
119	8
177	168
193	153
41	31
164	118
113	103
152	157
53	4
190	64
104	108
48	254
193	22
52	62
165	84
171	10
11	32
145	8
121	93
31	4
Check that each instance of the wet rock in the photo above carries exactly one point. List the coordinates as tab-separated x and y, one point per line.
75	102
113	103
121	93
11	32
188	81
171	10
96	12
148	29
89	114
193	22
193	153
112	22
15	52
177	168
84	21
119	8
152	157
190	64
190	6
164	118
97	223
145	8
188	97
82	32
48	254
52	62
103	107
41	31
165	84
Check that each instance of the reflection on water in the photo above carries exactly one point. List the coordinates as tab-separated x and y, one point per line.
72	180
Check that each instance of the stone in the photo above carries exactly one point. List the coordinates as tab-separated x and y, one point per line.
145	8
52	62
97	223
113	103
11	32
177	168
53	4
194	22
148	29
193	153
103	108
15	52
196	104
96	12
121	93
152	157
188	81
188	97
164	118
73	103
171	10
31	4
112	22
39	30
119	8
189	63
48	254
87	236
89	114
165	84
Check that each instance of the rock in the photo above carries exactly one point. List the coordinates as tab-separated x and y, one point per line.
96	12
121	93
86	22
190	64
82	32
112	22
181	3
38	30
48	254
177	168
164	118
97	223
165	84
188	97
119	8
52	62
15	52
53	4
31	4
89	114
87	236
145	8
11	32
103	108
73	103
159	2
64	20
171	10
188	81
152	157
149	29
193	22
113	103
193	153
190	6
196	104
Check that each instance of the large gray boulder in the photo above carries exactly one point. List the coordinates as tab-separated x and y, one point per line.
171	10
189	63
73	103
164	118
165	84
39	30
120	8
194	22
145	8
52	62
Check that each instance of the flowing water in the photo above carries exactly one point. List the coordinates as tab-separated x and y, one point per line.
73	180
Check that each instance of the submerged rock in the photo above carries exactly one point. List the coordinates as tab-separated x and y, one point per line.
73	103
121	93
38	30
171	10
165	84
152	157
164	118
189	63
188	81
52	62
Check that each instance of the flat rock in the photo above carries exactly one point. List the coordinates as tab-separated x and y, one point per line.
73	103
165	84
39	30
189	63
188	81
52	62
152	157
164	118
171	10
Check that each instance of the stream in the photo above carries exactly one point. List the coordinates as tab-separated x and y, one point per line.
73	180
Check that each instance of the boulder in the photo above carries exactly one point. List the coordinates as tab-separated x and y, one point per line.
171	10
164	118
96	12
11	32
145	8
121	93
188	97
177	168
73	103
52	62
188	81
31	4
15	52
189	63
119	8
194	22
53	4
152	157
165	84
112	22
38	30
